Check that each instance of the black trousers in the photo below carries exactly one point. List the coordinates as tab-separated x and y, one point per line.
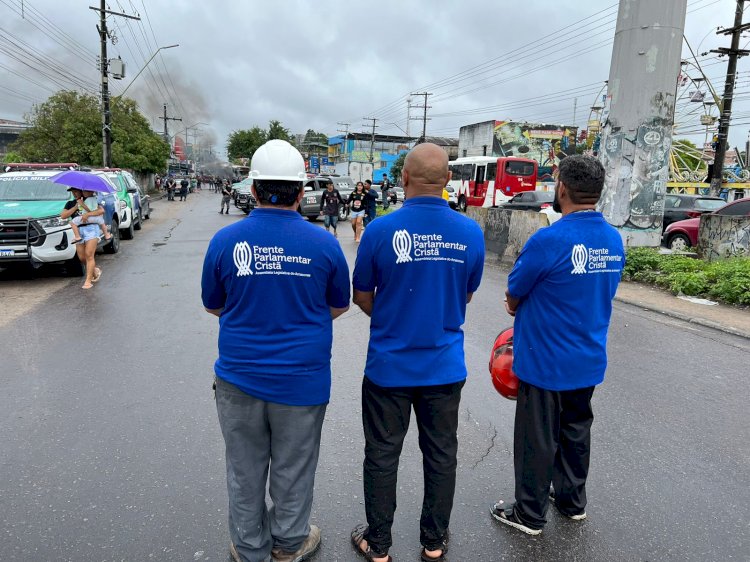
552	443
385	416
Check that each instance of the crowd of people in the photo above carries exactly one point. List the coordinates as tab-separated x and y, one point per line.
277	282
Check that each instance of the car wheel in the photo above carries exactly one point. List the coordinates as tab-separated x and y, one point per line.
462	204
139	224
114	245
128	233
678	243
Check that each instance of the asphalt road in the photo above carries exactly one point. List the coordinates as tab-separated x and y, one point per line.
111	450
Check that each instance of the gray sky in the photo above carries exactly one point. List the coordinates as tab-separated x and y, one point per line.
313	64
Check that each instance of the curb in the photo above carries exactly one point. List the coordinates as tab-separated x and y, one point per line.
686	318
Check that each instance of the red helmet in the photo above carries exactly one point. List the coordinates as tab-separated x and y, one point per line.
501	365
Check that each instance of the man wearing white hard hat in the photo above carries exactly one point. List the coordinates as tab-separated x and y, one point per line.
276	282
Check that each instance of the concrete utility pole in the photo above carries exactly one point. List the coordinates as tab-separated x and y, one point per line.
424	119
104	64
372	137
346	139
166	129
734	53
639	115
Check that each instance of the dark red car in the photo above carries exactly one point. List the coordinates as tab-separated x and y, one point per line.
681	235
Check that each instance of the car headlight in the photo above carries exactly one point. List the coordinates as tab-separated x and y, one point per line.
51	222
123	205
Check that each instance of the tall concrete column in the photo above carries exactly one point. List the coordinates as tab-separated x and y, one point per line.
638	117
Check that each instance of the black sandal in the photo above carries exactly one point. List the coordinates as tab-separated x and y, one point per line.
443	546
358	535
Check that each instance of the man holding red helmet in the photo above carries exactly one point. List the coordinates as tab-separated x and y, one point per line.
560	292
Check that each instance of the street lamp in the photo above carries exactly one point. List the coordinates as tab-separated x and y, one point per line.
145	65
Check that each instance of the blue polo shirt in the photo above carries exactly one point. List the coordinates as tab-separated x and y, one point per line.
421	261
566	277
276	276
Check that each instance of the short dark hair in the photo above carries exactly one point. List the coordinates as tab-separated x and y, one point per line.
368	182
279	193
583	177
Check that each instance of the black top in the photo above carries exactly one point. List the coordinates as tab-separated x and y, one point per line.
330	202
69	205
357	201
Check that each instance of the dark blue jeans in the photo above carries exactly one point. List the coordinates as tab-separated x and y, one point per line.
385	416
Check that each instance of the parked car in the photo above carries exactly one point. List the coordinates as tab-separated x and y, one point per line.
134	206
31	230
398	195
679	206
243	196
530	201
452	197
683	234
310	204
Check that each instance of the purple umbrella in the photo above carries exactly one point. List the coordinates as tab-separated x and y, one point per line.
85	181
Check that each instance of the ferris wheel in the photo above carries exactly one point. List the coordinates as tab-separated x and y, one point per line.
696	120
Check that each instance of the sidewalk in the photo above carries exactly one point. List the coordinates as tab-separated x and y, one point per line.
719	317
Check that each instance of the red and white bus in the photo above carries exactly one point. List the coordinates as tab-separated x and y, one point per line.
487	181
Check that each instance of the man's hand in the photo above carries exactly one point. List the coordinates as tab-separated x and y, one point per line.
511	303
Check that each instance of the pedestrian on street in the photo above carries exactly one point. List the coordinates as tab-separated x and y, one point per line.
385	186
171	186
415	359
560	292
329	206
184	185
89	232
356	203
276	282
226	195
371	203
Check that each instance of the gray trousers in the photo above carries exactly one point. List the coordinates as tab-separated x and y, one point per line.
261	437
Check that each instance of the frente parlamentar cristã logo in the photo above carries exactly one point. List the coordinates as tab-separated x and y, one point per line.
420	247
266	260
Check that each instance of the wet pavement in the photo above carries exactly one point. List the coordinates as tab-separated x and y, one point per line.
111	450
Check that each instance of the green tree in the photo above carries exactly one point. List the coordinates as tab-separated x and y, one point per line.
68	128
397	166
243	143
277	131
11	157
315	137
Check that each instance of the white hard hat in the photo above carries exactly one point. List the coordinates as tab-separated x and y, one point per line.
277	160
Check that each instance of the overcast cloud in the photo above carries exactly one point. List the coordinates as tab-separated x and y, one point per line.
314	64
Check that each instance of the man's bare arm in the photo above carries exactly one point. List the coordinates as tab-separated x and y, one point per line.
215	311
336	312
364	300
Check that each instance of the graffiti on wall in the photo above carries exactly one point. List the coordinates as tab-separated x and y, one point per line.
723	236
544	143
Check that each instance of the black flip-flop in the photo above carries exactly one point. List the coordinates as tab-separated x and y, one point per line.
358	535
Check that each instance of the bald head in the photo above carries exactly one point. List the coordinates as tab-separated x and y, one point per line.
425	171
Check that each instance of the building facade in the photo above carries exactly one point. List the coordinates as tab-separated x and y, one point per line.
546	143
9	132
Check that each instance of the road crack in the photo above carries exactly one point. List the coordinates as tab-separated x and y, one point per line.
489	449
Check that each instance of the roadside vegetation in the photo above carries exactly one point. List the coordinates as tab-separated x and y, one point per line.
727	281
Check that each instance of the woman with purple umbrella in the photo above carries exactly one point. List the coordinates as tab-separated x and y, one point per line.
89	232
